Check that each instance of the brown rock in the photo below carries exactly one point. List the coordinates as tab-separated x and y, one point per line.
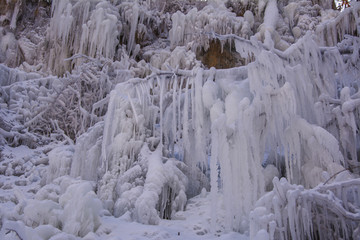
220	58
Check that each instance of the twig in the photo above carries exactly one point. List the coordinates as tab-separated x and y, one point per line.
333	176
80	56
13	230
331	205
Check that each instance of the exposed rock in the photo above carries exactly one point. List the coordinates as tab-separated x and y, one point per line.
220	57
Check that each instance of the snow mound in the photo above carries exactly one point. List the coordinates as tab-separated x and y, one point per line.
73	209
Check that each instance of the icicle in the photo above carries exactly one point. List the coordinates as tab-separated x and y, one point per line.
161	84
186	139
15	14
133	108
199	124
134	23
179	98
174	84
192	101
217	119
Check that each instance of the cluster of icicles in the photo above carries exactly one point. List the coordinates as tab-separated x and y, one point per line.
255	122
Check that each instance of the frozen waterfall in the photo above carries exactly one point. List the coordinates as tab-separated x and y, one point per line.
133	124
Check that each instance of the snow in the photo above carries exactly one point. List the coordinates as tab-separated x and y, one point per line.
75	207
113	128
193	224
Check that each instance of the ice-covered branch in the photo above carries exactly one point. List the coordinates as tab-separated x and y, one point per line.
17	227
305	213
331	32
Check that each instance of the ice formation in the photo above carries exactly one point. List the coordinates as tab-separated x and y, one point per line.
87	152
81	27
132	125
59	162
331	32
292	212
194	27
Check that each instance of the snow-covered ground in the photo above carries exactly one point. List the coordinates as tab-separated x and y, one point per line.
21	185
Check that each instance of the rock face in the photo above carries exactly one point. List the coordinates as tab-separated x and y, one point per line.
220	57
7	7
22	30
